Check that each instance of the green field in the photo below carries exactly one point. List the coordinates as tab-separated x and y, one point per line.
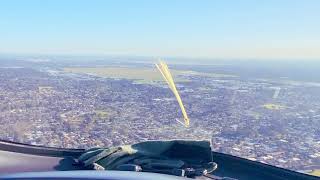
143	75
273	106
140	75
101	113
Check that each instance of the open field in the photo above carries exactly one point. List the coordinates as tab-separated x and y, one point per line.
273	106
140	75
315	172
101	113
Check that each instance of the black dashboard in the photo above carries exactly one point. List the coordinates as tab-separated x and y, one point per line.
36	162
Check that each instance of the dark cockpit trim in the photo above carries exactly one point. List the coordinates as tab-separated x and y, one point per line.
228	165
38	150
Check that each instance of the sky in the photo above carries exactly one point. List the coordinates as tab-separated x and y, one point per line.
272	29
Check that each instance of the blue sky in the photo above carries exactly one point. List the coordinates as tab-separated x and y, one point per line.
198	28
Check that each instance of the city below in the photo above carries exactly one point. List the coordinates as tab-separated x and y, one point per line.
56	104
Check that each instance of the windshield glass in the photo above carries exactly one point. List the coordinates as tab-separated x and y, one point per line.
245	75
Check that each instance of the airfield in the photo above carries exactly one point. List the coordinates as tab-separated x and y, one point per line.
142	75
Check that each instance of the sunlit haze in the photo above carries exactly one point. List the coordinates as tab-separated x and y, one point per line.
208	28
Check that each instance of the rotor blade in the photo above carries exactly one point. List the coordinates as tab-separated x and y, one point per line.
164	76
165	72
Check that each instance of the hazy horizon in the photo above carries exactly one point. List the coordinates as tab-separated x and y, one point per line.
191	29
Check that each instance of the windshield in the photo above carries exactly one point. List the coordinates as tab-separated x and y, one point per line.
81	74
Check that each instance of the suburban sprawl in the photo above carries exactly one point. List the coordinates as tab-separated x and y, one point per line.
274	122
